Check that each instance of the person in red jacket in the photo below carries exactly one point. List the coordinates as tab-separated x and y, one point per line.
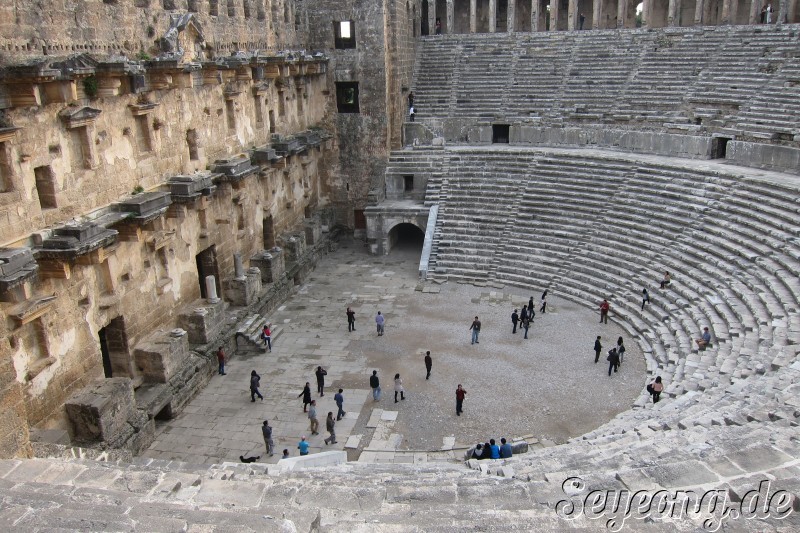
604	307
221	359
460	393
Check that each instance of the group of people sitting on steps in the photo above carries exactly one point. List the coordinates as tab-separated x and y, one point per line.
491	450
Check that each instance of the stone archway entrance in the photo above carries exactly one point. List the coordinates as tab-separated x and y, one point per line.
406	237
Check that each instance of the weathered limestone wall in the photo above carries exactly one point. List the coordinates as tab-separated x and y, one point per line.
138	158
63	27
384	34
50	333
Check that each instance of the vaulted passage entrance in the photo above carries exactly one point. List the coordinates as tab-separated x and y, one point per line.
406	237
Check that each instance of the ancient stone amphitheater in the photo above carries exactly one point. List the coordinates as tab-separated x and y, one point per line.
588	200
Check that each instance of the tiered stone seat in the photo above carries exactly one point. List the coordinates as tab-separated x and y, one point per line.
734	80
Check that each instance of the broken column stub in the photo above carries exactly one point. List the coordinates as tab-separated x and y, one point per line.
211	289
99	412
295	247
160	355
270	263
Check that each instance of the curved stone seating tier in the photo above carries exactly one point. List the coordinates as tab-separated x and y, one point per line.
740	80
590	227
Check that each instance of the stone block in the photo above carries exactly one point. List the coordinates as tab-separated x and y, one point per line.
313	230
295	247
519	447
160	354
270	263
203	321
100	411
244	291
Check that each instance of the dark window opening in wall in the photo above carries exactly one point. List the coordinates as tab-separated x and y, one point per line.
246	8
344	34
193	6
231	8
6	183
213	8
169	5
261	13
500	133
719	146
165	413
359	220
230	114
207	266
239	217
299	102
191	141
114	348
423	22
45	186
408	183
268	232
271	121
286	13
347	96
143	139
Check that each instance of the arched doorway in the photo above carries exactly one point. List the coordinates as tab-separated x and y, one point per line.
406	237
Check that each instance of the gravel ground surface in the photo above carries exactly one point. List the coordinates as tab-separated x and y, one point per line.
547	386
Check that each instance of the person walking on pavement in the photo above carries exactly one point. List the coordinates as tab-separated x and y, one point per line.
604	307
255	381
221	360
398	387
514	320
460	393
375	383
351	320
620	350
302	446
266	431
380	321
339	399
428	364
543	302
312	418
306	394
321	373
330	427
597	349
526	323
613	360
476	329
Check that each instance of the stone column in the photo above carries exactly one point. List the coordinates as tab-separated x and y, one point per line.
238	266
535	15
450	16
211	290
783	12
674	13
572	14
473	16
432	17
511	16
597	14
755	11
554	15
698	12
622	8
729	11
492	16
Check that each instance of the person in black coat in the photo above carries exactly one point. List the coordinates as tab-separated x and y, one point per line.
597	349
514	320
487	451
321	373
306	394
613	360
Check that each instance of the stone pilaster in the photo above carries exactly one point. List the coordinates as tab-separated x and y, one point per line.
728	12
473	16
554	15
535	16
432	17
597	15
698	12
492	16
673	13
511	16
450	16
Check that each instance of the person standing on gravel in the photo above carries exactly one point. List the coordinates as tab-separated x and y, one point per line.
221	361
460	394
476	329
255	382
380	321
597	349
604	308
330	426
266	431
613	360
526	323
351	320
428	363
339	399
398	387
321	373
375	383
312	418
514	320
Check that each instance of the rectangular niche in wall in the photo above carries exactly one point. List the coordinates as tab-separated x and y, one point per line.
5	169
347	96
344	34
45	187
408	183
500	133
